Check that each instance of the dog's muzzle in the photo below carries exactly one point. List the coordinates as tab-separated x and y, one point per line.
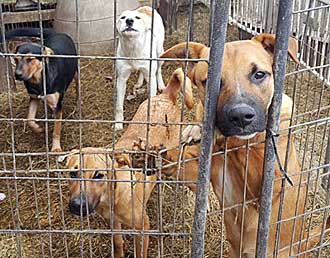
129	29
241	119
129	25
78	206
19	75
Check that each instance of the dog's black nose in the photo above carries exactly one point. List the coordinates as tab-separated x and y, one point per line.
78	205
18	74
129	22
241	115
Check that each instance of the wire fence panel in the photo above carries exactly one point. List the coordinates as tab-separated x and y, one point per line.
144	191
309	17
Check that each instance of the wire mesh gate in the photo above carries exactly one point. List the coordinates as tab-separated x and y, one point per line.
35	219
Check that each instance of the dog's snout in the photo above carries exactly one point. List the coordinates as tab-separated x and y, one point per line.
129	22
78	205
18	74
241	115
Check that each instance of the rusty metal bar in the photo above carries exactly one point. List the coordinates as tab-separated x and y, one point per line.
279	67
220	18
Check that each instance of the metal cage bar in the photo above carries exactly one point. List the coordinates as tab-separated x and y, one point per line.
280	59
25	168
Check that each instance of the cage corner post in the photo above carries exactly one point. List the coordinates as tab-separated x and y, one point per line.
218	38
3	75
279	67
7	81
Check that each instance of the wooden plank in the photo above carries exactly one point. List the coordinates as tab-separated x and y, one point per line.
3	75
28	16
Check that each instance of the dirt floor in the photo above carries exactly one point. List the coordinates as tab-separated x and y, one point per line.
43	204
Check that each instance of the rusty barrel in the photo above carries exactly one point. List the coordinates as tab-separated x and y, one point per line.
95	22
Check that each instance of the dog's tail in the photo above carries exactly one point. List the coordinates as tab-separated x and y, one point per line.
176	83
314	235
27	32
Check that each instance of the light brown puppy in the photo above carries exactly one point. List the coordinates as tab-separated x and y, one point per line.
163	109
246	93
129	198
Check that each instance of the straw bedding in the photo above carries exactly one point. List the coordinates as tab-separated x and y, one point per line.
39	204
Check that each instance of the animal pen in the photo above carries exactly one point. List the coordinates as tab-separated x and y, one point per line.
34	216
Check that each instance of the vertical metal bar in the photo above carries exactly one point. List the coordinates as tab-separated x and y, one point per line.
16	214
221	10
191	19
210	20
246	171
114	100
188	38
279	66
326	178
44	87
224	172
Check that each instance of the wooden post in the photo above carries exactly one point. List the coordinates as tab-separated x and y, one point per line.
3	75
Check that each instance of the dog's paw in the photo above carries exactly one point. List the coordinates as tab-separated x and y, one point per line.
140	91
130	97
37	129
56	149
192	133
118	126
2	196
161	87
140	156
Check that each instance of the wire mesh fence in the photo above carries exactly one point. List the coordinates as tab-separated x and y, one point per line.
134	191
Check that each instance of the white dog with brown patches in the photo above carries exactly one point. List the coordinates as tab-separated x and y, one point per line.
134	29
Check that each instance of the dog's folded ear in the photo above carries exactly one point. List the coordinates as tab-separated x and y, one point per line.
268	42
176	83
195	50
122	160
48	51
67	157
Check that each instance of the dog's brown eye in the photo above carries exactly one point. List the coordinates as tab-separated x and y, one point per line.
259	75
98	175
123	17
74	174
137	17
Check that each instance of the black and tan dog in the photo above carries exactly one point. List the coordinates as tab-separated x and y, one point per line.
247	87
59	73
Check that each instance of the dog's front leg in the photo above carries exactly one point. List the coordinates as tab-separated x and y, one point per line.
76	82
33	107
145	238
54	101
152	80
118	241
56	146
160	82
123	76
139	83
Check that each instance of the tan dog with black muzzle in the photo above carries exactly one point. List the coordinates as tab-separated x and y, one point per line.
247	88
94	194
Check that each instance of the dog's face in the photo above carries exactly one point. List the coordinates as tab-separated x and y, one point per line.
86	195
29	68
247	84
133	23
